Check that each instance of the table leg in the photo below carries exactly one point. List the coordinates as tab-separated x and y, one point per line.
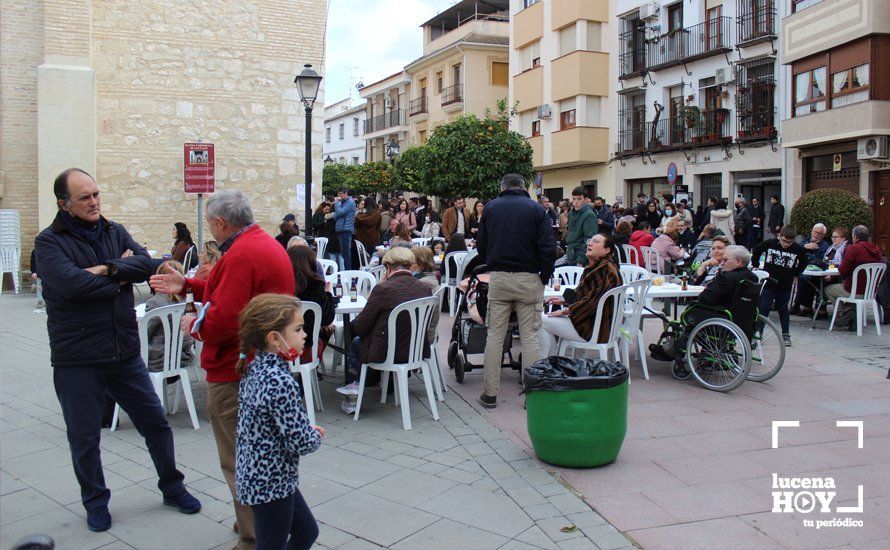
820	301
347	343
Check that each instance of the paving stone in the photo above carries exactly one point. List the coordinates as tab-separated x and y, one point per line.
486	484
568	504
381	454
588	518
179	530
409	487
431	468
9	484
331	537
68	530
467	439
526	496
351	469
371	518
357	447
478	449
59	484
542	511
470	466
536	537
20	443
449	535
24	504
460	476
552	527
316	489
552	489
499	471
406	461
606	537
481	509
515	482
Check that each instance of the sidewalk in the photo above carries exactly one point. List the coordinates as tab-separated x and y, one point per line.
696	467
459	483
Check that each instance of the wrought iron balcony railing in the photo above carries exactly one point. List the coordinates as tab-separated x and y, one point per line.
452	94
384	121
417	106
756	21
690	44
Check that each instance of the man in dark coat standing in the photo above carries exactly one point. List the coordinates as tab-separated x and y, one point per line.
517	244
776	216
88	266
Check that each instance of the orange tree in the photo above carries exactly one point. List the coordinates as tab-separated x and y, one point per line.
362	179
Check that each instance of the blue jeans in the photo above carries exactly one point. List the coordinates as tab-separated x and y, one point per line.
354	368
290	517
780	297
81	393
346	248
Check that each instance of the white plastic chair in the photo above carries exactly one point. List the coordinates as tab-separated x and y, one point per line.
169	317
569	275
873	273
452	280
330	267
652	260
632	272
11	262
378	271
309	371
363	257
629	255
630	329
420	241
420	312
187	259
618	295
364	280
761	275
321	245
438	378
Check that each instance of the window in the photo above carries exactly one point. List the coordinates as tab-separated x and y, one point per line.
809	92
536	128
594	111
354	160
422	135
594	36
567	119
530	56
499	73
849	86
440	83
755	99
355	126
327	134
797	5
568	39
714	30
457	74
342	130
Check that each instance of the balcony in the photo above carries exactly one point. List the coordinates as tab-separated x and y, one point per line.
579	145
632	57
756	113
851	122
528	88
452	94
528	26
756	22
566	12
691	44
385	121
679	132
417	106
580	73
537	143
826	25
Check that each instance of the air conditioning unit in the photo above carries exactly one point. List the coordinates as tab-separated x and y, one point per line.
544	111
723	75
873	148
387	103
649	10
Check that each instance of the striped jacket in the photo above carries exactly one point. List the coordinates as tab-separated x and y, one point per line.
597	279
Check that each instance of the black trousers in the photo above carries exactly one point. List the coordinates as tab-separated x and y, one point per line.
81	392
275	521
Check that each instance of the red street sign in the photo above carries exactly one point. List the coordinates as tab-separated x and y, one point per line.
198	167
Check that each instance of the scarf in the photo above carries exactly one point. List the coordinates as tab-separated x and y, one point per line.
86	231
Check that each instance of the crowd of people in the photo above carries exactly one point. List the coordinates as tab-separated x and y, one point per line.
253	324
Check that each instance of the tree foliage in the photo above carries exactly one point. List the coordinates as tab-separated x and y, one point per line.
364	179
412	170
832	207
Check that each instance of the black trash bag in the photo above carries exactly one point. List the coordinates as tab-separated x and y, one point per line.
567	374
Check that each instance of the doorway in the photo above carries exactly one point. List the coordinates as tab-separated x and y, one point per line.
882	211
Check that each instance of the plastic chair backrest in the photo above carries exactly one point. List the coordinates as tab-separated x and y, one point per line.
321	245
631	273
363	258
873	273
315	309
420	312
761	274
365	281
169	317
330	267
653	260
378	271
640	289
189	256
629	255
569	275
420	241
459	258
462	265
618	295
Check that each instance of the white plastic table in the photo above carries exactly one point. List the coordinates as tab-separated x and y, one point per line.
347	308
665	291
821	274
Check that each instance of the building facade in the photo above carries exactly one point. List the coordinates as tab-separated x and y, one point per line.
117	90
560	62
836	128
464	68
699	99
343	139
386	114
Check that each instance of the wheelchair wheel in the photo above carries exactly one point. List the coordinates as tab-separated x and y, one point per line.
459	365
680	371
718	354
767	352
452	354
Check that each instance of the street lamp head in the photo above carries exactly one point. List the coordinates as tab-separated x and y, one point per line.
392	148
328	160
308	82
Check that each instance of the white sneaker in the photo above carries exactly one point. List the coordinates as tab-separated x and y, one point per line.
348	389
347	406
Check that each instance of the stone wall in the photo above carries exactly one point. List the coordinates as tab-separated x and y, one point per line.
166	72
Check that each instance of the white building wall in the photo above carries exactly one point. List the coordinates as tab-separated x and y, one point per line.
350	149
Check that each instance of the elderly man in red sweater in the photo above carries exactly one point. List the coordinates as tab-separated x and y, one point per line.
862	251
252	263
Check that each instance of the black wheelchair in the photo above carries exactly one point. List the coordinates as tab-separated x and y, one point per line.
722	347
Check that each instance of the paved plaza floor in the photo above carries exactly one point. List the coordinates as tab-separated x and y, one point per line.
695	470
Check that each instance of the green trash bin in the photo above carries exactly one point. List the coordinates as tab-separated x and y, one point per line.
576	410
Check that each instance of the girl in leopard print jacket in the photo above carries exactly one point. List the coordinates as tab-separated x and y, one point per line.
273	427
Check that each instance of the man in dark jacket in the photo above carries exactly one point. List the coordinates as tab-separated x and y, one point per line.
776	216
722	288
784	260
517	244
605	219
862	251
88	266
581	226
756	233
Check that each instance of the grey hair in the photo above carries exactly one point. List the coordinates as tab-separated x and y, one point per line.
512	181
297	240
860	232
737	252
821	226
231	205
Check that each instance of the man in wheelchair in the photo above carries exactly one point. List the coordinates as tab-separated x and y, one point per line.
732	295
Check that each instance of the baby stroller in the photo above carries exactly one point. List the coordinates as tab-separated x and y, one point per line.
469	334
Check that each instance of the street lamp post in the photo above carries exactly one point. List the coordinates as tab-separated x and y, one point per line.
308	82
